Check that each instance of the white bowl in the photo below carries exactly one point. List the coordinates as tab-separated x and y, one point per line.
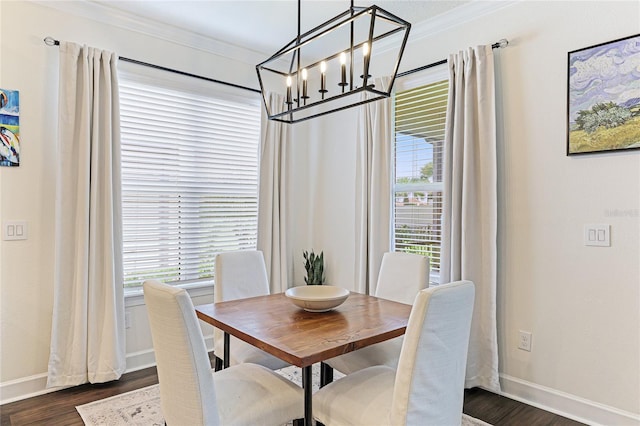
317	298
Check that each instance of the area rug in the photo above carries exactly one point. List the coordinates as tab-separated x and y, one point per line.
141	407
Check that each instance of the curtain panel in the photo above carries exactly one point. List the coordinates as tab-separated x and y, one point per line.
469	238
373	189
87	337
273	197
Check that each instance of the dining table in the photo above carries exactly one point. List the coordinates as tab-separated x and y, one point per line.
302	338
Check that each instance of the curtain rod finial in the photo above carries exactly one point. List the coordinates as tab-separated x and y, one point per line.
503	43
50	41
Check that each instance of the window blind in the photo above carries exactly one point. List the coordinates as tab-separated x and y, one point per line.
189	181
419	153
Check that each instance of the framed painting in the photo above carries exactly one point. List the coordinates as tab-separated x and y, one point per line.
603	97
9	128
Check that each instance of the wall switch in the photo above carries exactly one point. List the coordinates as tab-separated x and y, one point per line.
597	235
524	340
14	230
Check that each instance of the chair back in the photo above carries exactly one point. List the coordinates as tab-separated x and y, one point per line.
429	384
187	393
402	276
240	274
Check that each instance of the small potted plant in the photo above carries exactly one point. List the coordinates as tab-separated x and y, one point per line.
315	268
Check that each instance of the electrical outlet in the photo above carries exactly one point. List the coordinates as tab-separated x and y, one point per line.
524	341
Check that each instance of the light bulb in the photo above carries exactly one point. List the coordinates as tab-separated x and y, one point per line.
304	73
365	49
343	71
289	81
323	67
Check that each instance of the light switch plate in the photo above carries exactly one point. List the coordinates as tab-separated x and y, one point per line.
14	230
597	235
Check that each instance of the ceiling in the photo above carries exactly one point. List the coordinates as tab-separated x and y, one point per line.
266	25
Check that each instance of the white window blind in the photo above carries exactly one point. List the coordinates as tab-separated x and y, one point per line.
419	152
189	180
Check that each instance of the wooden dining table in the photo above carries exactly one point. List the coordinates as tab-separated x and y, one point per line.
275	325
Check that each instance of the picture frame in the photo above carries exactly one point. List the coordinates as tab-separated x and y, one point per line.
9	128
603	97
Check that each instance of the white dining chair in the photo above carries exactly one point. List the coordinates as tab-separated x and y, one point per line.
238	275
428	386
190	393
401	277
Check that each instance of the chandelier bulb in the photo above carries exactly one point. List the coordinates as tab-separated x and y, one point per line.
343	71
288	101
323	78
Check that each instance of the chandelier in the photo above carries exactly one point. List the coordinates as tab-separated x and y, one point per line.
332	67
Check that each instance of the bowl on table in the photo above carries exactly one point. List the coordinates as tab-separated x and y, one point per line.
317	298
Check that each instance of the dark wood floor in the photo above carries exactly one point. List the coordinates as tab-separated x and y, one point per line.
58	408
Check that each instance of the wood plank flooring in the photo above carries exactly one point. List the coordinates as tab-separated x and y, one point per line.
58	408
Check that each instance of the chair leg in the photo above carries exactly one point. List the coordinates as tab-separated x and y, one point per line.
298	422
326	374
217	364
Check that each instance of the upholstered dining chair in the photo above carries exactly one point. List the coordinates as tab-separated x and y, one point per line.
428	386
241	274
401	277
190	393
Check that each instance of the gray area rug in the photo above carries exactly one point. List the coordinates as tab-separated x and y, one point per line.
142	406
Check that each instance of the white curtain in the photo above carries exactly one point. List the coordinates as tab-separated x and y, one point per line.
470	208
373	189
87	338
274	194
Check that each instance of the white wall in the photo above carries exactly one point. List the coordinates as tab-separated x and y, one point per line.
27	192
582	304
324	202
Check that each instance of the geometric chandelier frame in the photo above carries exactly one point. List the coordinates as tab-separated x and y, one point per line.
332	67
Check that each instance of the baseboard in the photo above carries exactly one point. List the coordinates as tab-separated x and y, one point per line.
140	360
25	387
564	404
28	387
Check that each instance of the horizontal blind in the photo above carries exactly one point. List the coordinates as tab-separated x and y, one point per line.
189	181
419	153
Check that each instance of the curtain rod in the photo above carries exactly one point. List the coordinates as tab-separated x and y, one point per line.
499	44
50	41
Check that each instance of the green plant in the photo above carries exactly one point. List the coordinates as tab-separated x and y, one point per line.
315	268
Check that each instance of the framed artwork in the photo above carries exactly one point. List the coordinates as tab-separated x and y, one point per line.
9	128
603	97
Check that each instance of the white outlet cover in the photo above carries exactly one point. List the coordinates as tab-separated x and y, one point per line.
524	340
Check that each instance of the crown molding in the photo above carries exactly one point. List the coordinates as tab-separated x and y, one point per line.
107	15
458	16
110	16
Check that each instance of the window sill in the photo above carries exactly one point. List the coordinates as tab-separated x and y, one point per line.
136	297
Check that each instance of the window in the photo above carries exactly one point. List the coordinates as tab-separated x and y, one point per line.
420	111
189	177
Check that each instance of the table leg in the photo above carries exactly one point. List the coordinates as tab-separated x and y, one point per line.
226	350
326	374
308	388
